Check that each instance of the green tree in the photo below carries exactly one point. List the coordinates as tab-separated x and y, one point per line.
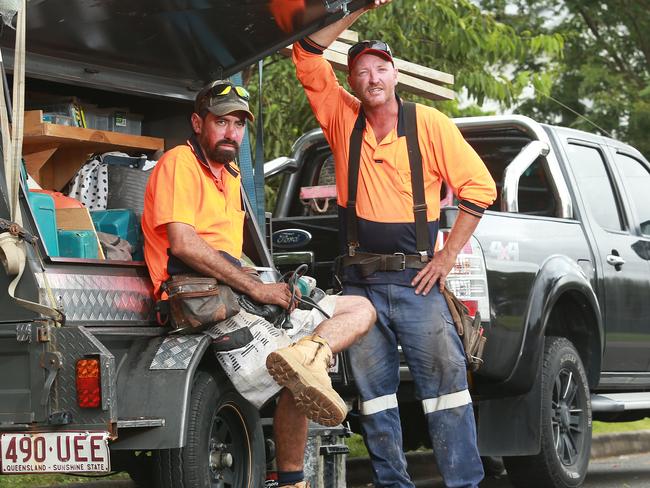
453	36
602	81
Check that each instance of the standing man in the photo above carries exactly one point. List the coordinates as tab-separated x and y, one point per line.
193	223
384	265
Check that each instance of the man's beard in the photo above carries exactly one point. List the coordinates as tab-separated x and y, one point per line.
222	155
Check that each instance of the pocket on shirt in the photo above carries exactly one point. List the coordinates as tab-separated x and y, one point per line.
405	177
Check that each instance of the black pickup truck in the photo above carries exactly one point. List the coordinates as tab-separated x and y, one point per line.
558	268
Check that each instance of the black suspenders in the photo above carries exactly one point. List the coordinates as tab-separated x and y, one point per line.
422	238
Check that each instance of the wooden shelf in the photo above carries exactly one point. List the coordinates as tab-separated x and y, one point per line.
54	153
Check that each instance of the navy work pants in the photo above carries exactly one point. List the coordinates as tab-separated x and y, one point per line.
423	326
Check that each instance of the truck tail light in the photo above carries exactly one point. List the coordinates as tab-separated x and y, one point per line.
89	388
468	278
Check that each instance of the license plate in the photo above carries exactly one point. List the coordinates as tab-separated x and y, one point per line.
54	452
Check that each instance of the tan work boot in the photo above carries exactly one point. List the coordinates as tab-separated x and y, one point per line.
302	368
302	484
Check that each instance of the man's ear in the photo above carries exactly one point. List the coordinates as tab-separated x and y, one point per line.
349	79
197	123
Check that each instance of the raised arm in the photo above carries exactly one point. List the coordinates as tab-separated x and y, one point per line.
328	35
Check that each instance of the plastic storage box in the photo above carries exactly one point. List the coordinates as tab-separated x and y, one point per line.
123	223
98	118
44	212
78	244
61	200
119	222
126	123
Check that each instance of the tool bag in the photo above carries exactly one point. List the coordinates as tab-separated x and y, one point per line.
198	302
469	329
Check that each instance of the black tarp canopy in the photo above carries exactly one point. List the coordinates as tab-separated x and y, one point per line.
165	48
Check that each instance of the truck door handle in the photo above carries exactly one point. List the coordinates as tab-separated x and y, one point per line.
616	261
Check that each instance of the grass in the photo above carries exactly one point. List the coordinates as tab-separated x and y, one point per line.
36	480
609	427
355	444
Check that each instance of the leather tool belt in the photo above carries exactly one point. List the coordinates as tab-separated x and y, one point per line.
368	263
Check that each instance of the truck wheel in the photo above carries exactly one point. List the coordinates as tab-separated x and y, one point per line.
566	424
225	443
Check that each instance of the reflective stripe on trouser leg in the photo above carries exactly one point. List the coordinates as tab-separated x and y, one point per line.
444	402
379	404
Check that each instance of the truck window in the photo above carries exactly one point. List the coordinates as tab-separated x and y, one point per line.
535	196
595	185
637	183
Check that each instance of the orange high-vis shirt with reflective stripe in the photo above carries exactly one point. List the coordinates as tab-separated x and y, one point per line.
384	191
181	189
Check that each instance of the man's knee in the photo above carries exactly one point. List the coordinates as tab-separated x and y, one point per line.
359	310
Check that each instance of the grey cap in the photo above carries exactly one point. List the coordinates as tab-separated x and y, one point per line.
209	98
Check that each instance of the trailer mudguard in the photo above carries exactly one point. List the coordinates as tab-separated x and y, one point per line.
154	384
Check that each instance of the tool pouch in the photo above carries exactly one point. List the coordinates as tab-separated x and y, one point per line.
198	302
469	329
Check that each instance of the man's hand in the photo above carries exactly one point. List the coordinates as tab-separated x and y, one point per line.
443	260
327	35
272	294
378	3
436	270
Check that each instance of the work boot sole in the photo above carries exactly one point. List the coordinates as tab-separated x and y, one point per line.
313	402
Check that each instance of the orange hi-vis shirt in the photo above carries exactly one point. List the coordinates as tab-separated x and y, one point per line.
182	189
384	202
384	193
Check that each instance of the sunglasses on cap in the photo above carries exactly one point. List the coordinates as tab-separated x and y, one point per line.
362	46
223	89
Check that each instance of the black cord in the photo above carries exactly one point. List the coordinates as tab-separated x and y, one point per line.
313	304
292	281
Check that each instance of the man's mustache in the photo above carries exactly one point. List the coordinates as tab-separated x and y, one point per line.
229	142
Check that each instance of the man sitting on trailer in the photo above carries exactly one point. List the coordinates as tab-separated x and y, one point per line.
193	218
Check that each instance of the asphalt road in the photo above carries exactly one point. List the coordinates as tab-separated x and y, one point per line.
632	471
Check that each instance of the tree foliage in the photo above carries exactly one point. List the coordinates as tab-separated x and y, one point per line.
602	82
453	36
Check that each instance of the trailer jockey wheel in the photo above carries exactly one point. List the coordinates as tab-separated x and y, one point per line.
225	443
566	424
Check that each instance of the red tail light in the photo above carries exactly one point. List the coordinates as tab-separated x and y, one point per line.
89	387
468	278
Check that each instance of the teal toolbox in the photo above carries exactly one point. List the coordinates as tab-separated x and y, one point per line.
120	222
78	244
44	212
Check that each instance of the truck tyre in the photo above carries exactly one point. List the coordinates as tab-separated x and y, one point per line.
225	443
565	426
